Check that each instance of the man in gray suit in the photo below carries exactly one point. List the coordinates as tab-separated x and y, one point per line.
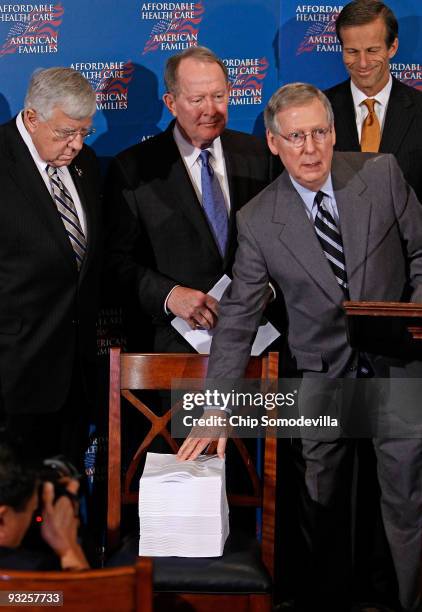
334	226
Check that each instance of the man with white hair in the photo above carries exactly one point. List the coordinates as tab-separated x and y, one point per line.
50	264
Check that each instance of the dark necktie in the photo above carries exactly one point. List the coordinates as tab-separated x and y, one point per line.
213	203
68	214
330	238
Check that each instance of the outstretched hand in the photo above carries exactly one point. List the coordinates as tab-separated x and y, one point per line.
202	435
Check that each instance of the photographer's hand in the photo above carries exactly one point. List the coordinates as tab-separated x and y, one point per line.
60	527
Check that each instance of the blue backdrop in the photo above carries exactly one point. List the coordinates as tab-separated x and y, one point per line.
121	46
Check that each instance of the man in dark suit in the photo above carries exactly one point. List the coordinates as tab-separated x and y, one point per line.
50	252
329	228
167	246
368	31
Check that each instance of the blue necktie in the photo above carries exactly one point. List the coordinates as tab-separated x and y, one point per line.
213	203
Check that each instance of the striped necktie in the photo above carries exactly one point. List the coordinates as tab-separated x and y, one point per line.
68	214
371	131
213	203
330	238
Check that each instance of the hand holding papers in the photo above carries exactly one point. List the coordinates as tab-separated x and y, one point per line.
201	339
183	507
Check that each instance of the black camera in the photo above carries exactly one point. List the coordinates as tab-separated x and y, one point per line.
55	469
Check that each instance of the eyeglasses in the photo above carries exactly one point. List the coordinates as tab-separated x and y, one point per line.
297	139
68	135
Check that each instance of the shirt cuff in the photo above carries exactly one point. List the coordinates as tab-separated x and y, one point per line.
220	408
166	310
271	286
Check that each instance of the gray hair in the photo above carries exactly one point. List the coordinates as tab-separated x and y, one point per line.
294	94
62	88
201	54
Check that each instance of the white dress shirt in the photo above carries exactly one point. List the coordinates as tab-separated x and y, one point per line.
192	161
63	172
381	103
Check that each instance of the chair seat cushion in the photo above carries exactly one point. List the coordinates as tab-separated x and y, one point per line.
239	570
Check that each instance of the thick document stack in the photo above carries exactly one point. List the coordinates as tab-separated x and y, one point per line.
183	509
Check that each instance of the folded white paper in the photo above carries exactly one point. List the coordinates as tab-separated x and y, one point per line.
183	507
201	339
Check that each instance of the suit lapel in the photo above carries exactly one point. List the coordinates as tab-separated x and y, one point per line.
399	116
235	167
345	123
28	180
354	213
87	199
180	191
298	236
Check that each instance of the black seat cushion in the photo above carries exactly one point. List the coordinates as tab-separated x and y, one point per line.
239	570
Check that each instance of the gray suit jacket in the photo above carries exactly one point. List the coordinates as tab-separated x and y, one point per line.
381	226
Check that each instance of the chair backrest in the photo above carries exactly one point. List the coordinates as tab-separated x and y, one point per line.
126	589
129	372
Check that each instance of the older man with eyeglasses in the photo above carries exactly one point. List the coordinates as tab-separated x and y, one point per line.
50	252
332	227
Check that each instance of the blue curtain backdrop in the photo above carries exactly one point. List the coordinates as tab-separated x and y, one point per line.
121	46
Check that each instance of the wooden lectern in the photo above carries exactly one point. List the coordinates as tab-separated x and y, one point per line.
385	328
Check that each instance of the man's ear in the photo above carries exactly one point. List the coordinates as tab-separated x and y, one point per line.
169	101
393	49
30	119
271	142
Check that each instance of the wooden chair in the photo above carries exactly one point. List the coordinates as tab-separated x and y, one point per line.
122	589
241	578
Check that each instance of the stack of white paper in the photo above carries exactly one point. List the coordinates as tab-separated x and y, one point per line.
183	509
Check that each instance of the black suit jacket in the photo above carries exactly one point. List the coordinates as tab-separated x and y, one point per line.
47	308
159	235
401	133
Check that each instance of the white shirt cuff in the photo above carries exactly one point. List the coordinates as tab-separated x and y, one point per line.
166	310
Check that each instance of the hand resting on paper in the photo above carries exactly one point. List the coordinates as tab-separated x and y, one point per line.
202	435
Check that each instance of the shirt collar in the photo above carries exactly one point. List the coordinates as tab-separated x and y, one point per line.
381	97
190	153
308	196
26	137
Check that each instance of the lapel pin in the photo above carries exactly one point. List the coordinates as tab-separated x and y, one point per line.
78	171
